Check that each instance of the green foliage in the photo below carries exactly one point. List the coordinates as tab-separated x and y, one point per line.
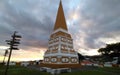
80	57
110	51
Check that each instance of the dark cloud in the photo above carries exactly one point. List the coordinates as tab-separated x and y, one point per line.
88	21
97	19
35	33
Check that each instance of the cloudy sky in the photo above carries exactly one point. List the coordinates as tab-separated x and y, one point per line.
92	24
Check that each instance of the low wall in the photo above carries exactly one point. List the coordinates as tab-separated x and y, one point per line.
102	65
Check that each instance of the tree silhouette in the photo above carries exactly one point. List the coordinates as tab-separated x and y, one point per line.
111	50
80	57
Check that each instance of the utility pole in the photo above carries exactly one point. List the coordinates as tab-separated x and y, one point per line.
13	43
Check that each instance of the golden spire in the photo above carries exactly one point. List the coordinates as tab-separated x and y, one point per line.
60	19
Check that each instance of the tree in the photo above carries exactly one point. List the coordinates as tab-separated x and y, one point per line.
80	57
110	51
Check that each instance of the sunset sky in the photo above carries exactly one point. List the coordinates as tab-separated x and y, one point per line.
92	24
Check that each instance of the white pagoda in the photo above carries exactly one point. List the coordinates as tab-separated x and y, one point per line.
60	46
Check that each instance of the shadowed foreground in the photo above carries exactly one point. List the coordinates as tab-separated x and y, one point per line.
18	70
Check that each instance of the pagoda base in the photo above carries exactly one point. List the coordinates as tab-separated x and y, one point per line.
55	66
